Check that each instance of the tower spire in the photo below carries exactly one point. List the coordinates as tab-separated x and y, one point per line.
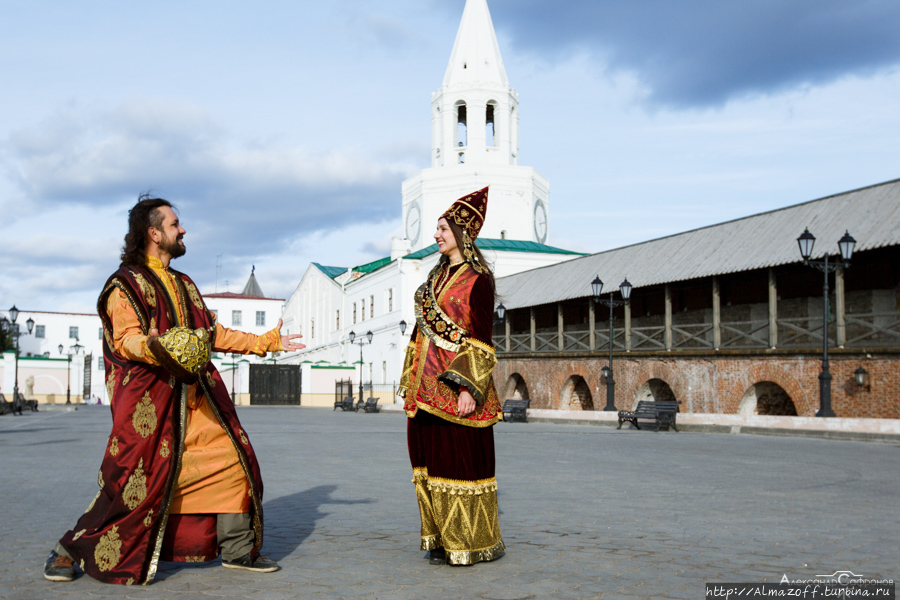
475	58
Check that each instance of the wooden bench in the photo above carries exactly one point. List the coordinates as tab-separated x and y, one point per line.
515	410
345	404
372	405
662	412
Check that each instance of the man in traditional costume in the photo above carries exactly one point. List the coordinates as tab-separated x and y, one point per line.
179	479
451	401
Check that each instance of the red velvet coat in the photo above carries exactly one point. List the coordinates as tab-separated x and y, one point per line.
127	529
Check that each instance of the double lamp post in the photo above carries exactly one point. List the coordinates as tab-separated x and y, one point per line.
612	303
13	328
74	349
363	340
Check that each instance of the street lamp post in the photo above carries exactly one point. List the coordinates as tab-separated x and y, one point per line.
846	245
369	336
403	327
76	348
597	289
14	329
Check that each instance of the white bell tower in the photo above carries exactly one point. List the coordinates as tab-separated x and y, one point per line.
475	142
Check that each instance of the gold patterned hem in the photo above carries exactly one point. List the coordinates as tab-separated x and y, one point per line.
455	486
470	557
447	417
430	542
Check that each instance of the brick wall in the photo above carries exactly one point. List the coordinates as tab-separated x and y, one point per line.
708	383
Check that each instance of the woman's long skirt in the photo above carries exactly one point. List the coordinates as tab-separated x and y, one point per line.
453	472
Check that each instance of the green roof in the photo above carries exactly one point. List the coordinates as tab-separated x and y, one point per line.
484	244
502	245
331	272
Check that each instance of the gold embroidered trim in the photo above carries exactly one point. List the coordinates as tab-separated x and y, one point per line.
244	439
425	327
78	534
93	502
144	418
447	417
114	447
130	581
100	479
470	557
164	449
470	488
193	294
407	373
108	550
148	520
194	559
136	489
127	378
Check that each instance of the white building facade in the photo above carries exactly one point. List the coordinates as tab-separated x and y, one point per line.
474	144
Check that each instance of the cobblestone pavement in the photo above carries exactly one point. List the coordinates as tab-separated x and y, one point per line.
586	512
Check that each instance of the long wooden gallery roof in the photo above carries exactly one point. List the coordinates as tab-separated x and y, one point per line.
870	214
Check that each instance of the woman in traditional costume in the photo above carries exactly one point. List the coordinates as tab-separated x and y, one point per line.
451	401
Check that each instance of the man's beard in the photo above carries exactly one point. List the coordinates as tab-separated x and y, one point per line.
172	247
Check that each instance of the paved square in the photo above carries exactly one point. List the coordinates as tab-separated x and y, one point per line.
586	512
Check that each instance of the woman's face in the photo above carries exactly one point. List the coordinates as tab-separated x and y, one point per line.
445	240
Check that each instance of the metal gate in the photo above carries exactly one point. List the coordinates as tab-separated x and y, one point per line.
274	384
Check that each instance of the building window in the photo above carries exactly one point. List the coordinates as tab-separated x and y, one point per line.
354	313
337	320
73	333
235	317
372	307
100	333
461	133
99	363
39	331
260	318
391	300
362	312
312	328
489	132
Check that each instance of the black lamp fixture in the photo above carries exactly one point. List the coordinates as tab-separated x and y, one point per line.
402	327
607	371
14	330
846	245
76	348
501	312
862	379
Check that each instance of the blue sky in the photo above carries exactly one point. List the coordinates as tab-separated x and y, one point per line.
283	129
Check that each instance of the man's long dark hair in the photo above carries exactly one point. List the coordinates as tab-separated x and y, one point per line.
458	236
142	216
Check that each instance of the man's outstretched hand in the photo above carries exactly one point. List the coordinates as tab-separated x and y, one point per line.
286	342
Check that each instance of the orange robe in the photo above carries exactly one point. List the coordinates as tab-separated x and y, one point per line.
211	480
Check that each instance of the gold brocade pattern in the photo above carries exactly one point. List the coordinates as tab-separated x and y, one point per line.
136	489
194	559
111	382
244	439
193	294
127	377
164	449
78	534
210	380
473	367
100	479
148	520
144	418
408	370
130	581
430	531
108	550
146	289
114	447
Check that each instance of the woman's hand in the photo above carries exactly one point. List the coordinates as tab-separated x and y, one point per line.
466	404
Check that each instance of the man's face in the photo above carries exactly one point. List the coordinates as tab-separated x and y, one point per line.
172	233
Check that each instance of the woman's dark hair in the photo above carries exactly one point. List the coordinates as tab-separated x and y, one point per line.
143	215
458	236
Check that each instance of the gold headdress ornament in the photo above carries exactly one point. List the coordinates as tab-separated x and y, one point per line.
469	213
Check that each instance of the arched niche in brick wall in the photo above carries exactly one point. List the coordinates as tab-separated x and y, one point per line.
576	395
516	388
766	398
653	390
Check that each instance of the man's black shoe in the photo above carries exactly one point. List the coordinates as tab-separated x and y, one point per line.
59	568
262	564
438	556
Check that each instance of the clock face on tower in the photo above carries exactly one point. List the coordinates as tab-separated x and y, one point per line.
413	223
540	221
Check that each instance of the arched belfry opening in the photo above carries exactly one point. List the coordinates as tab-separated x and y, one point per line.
653	391
489	126
576	395
767	398
461	126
